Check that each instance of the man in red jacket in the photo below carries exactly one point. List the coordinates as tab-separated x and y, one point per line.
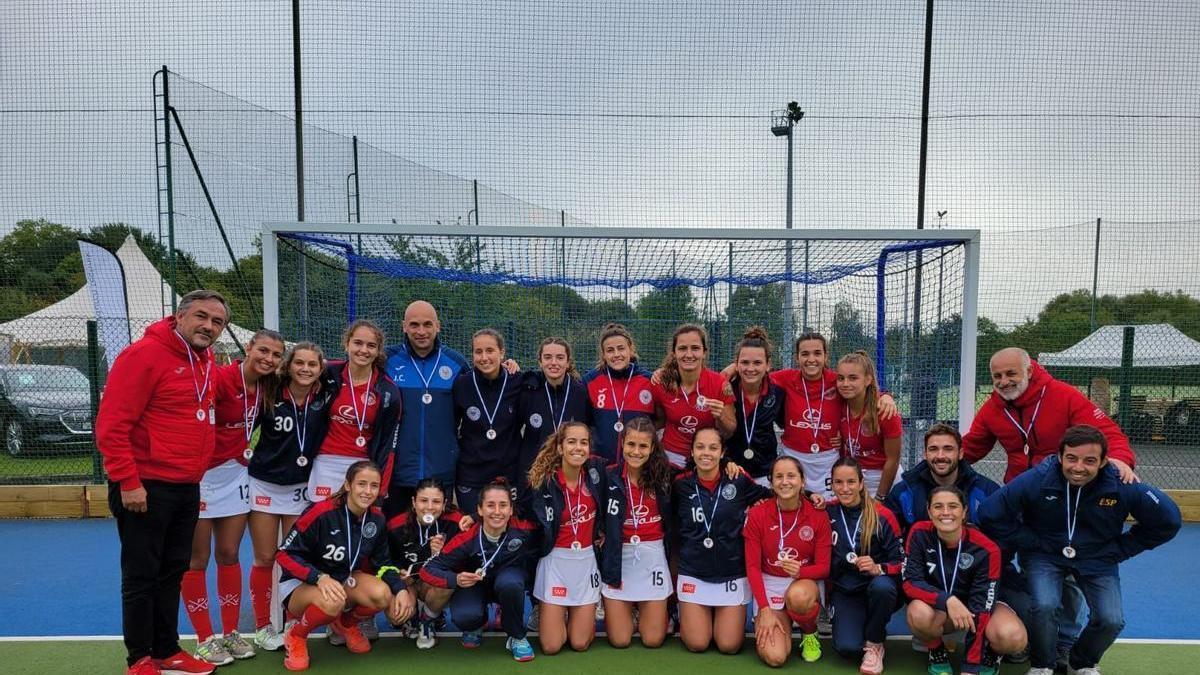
156	432
1029	411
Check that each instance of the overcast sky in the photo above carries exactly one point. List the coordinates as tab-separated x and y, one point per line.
1044	114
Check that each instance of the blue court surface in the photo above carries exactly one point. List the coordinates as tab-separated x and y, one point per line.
62	578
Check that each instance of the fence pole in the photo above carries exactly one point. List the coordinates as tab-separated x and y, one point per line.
93	366
1126	397
1095	274
166	75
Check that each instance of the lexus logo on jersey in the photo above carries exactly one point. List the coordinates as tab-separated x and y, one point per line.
788	553
812	415
688	423
345	415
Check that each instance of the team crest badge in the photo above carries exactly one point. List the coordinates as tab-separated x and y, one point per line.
806	533
444	372
966	561
473	414
535	421
645	397
370	530
729	492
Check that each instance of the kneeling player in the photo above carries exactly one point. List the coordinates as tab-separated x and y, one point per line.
484	564
950	575
328	577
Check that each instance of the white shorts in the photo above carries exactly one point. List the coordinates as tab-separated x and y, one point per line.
676	460
723	594
644	574
328	475
225	491
286	588
567	577
282	500
872	478
817	469
776	588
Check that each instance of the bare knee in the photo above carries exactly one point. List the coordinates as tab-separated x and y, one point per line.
730	646
694	644
801	597
330	607
772	658
581	644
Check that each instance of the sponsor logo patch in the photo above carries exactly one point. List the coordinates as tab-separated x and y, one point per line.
324	490
689	588
558	591
262	500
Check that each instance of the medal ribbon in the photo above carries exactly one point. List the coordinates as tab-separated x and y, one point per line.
350	537
572	521
550	402
300	428
425	380
708	522
360	420
423	535
249	415
1025	432
820	405
495	409
942	563
853	442
484	560
749	430
641	501
851	538
200	390
1071	519
624	393
784	533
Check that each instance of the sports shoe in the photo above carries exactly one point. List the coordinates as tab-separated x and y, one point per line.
531	623
824	624
183	663
143	666
213	651
267	638
237	646
872	661
1084	671
350	636
939	661
810	648
990	664
521	649
297	651
1040	671
369	628
600	611
426	635
471	639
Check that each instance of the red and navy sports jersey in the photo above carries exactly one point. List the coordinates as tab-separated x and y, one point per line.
480	458
866	448
682	415
820	410
805	535
887	548
766	414
232	412
280	428
610	390
975	584
321	543
405	534
550	509
692	504
651	508
384	436
517	548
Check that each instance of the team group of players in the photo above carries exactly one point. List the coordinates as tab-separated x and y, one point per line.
407	481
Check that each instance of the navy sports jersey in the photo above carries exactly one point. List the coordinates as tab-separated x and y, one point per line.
766	414
908	499
887	549
481	459
550	505
971	571
515	548
327	537
1030	514
692	505
280	430
541	407
409	537
616	395
428	439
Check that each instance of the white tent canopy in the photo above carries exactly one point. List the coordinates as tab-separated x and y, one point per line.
1157	345
64	324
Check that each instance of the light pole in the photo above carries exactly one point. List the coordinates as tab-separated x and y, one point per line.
782	124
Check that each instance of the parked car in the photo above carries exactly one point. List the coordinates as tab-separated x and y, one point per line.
44	410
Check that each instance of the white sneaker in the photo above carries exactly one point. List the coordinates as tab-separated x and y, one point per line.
1084	671
426	635
268	639
1040	671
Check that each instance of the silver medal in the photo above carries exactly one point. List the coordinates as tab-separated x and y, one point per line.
575	546
361	441
814	448
708	542
427	518
635	540
619	427
351	582
851	557
700	401
481	572
1068	551
748	453
301	461
200	415
491	434
427	398
247	453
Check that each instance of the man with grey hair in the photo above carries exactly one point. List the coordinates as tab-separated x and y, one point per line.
156	431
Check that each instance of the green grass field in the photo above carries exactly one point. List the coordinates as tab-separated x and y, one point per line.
393	655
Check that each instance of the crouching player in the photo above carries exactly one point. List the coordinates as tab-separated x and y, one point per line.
1067	517
486	563
337	568
950	576
415	536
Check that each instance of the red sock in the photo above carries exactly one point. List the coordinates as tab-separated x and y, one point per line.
229	595
194	589
260	595
806	622
313	618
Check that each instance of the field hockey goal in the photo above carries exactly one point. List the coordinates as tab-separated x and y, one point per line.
907	297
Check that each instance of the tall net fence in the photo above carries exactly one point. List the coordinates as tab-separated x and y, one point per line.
1042	119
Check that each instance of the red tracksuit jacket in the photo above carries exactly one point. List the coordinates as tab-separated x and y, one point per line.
1062	406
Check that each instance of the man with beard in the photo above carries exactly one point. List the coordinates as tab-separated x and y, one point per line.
1029	411
943	465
